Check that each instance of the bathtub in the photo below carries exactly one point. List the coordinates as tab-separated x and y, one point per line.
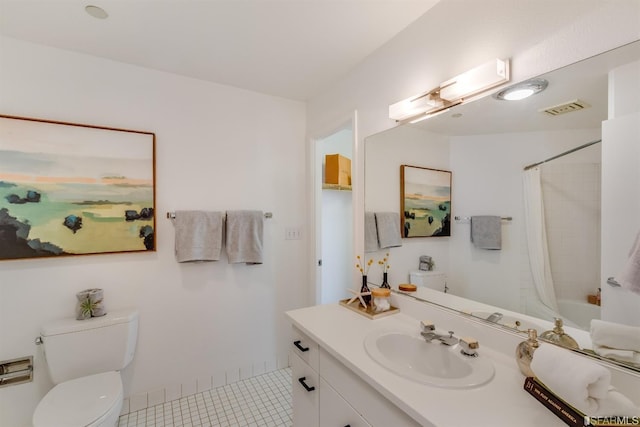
579	312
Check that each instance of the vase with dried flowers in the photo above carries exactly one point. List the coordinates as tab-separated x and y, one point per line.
364	269
384	262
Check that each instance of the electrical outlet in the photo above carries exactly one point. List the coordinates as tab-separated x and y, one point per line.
292	233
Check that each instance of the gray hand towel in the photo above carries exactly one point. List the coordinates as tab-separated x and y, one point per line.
370	232
486	232
244	236
388	225
198	235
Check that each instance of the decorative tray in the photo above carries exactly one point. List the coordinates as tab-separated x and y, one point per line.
369	311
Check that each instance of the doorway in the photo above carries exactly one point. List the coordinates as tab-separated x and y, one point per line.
334	220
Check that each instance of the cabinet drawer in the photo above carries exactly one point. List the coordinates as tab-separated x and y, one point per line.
305	392
335	411
304	347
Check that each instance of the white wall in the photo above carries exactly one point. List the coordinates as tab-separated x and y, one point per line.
197	321
384	153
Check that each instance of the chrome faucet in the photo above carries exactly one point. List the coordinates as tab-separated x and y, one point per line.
444	339
495	317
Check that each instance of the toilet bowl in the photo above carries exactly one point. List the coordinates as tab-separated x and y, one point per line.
85	358
435	280
93	401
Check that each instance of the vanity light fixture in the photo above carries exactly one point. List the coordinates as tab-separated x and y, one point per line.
476	80
430	114
451	92
416	105
522	90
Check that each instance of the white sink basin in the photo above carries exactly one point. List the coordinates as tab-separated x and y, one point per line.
411	357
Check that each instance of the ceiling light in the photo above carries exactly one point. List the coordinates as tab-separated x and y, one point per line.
522	90
96	12
452	92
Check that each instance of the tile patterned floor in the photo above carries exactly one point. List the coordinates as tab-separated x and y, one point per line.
264	400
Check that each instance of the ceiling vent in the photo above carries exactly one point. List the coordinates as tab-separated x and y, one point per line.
566	107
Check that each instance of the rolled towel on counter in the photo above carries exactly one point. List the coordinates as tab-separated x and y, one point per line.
578	381
615	335
628	356
615	404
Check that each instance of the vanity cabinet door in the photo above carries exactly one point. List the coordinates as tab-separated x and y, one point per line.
335	411
304	393
375	408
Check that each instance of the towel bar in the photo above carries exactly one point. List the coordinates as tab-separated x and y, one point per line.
468	218
172	215
613	282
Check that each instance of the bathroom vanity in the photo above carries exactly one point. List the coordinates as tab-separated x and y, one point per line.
336	382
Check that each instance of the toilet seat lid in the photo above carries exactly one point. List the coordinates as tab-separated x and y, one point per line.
79	402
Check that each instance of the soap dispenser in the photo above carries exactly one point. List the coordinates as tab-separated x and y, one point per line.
524	353
559	337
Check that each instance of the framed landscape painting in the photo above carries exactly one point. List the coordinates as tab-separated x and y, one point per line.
73	189
425	201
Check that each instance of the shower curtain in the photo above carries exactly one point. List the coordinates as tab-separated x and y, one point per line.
537	238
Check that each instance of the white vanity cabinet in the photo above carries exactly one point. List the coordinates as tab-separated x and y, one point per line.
339	397
305	390
335	411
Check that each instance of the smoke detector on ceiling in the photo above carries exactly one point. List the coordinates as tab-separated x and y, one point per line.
566	107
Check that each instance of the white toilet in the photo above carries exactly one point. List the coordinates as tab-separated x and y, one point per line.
435	280
84	359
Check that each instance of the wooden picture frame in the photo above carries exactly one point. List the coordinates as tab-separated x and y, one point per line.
425	202
74	189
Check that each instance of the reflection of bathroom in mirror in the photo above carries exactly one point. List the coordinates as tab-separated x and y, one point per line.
590	220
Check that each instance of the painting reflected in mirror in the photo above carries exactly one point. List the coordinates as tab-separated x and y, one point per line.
425	202
553	163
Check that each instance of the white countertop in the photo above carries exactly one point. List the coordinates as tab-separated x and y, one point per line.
501	402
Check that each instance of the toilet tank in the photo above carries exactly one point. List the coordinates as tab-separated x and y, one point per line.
77	348
430	279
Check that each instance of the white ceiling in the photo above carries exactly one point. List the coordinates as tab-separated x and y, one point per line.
288	48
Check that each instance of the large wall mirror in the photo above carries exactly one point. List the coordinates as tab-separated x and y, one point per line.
487	144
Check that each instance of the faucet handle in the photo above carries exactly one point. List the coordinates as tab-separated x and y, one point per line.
469	346
427	325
